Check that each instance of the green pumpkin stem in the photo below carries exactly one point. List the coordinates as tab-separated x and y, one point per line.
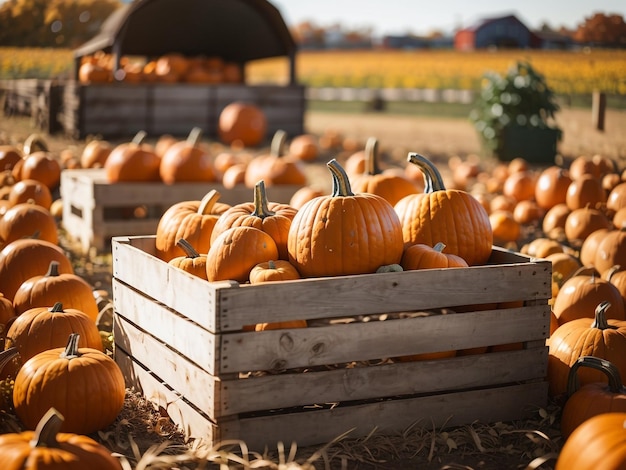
432	178
71	350
261	208
189	250
439	247
208	202
608	368
271	264
53	269
341	182
371	156
139	137
47	430
600	322
194	136
56	308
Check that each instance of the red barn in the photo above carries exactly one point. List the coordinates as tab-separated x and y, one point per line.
501	32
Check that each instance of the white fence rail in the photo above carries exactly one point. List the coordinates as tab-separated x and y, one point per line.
430	95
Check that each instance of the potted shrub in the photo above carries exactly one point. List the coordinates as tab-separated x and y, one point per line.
515	115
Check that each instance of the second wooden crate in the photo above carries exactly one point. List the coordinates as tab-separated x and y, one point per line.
94	210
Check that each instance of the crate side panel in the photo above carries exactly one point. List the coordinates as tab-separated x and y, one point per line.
190	421
195	384
165	325
447	410
369	382
276	350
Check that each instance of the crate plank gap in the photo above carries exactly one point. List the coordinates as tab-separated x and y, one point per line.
181	342
94	211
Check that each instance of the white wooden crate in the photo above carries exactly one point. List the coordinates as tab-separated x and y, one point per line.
94	210
180	340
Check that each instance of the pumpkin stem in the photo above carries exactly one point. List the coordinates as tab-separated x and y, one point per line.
53	269
439	247
432	178
278	143
57	307
600	320
208	202
7	356
271	264
612	372
341	182
47	429
139	137
194	136
611	272
71	350
189	250
371	154
261	208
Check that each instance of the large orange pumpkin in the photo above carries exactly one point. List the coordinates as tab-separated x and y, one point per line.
344	233
453	217
42	166
27	220
244	122
187	161
132	161
272	217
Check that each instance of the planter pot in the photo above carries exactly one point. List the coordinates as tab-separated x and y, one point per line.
536	145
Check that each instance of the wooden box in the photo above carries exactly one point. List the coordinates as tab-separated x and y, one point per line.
181	341
94	210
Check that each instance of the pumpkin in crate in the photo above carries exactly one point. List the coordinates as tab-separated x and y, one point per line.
389	185
271	217
192	262
42	328
187	161
193	221
599	336
344	233
71	290
420	256
25	258
275	168
453	217
133	161
25	219
42	166
48	448
84	384
243	122
95	153
593	398
236	251
598	443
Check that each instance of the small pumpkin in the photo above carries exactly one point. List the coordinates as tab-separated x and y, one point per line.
593	398
84	384
420	256
30	190
46	448
586	190
244	122
193	262
582	222
133	161
42	166
344	233
611	250
25	219
304	147
551	187
450	216
187	161
273	270
95	153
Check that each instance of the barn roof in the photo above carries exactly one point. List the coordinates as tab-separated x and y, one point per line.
235	30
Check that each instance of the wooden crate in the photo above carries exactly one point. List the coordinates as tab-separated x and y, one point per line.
180	341
94	210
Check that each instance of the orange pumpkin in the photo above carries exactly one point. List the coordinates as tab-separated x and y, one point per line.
344	233
193	262
244	122
27	219
584	191
582	222
42	166
30	190
611	250
133	161
187	161
273	270
9	156
95	153
453	217
551	187
420	256
304	147
271	217
236	251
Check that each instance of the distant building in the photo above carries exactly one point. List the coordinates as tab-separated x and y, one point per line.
501	32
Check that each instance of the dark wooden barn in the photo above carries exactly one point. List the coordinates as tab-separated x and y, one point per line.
500	32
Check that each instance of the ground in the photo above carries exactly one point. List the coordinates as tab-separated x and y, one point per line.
499	446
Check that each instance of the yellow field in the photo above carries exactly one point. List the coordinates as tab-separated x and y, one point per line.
576	72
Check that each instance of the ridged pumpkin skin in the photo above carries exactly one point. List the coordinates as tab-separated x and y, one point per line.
84	384
421	256
450	216
344	233
272	271
598	443
48	449
273	218
193	262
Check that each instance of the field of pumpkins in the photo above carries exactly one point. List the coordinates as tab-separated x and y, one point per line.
357	212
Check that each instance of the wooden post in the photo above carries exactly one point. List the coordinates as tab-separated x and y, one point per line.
598	109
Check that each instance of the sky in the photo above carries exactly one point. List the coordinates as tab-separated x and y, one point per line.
420	17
